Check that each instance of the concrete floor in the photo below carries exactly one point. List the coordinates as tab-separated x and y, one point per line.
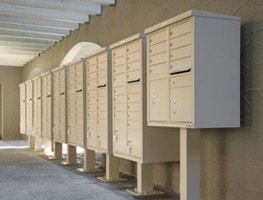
29	175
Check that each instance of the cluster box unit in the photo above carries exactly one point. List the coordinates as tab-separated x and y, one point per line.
59	104
76	133
98	101
46	105
132	138
36	129
22	94
193	70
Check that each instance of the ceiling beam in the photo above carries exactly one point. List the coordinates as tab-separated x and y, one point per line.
26	45
27	40
27	35
102	2
79	7
38	22
33	29
61	15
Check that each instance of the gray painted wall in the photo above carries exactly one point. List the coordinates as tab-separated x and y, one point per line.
231	159
10	77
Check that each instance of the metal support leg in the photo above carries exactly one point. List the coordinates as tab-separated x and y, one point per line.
31	142
189	164
72	155
144	180
112	169
48	147
38	143
89	161
58	151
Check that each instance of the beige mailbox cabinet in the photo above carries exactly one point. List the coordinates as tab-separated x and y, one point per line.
98	85
193	71
29	107
75	104
132	139
59	104
37	106
46	87
22	89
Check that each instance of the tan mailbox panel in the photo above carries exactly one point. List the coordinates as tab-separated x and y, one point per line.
132	139
29	107
36	106
75	80
99	132
46	96
59	104
22	88
193	71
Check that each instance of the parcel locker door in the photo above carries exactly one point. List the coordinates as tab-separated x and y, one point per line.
158	98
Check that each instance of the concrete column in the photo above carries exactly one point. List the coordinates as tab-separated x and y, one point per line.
31	142
71	156
58	151
144	179
89	161
112	167
189	164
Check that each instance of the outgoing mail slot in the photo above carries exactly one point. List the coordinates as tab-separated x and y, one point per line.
182	64
134	76
102	82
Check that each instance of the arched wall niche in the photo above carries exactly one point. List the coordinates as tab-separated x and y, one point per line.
79	51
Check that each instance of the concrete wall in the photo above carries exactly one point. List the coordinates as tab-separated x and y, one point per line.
10	77
231	159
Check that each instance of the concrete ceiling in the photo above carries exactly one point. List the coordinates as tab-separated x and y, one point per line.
29	27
